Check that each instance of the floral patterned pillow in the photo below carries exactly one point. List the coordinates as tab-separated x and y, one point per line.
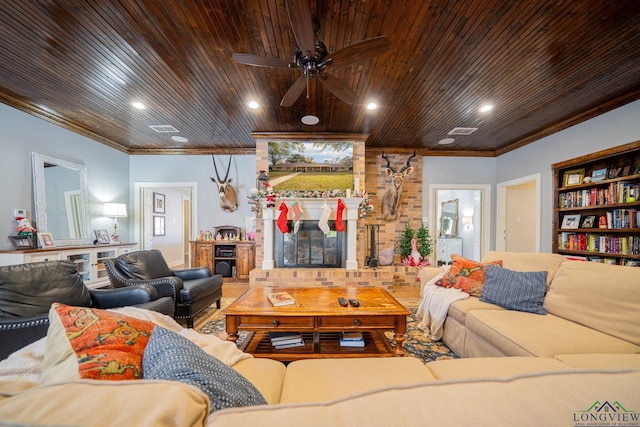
466	275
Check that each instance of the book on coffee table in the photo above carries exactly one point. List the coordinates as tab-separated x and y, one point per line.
279	299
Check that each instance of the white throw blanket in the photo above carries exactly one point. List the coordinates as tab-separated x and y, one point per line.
434	306
26	363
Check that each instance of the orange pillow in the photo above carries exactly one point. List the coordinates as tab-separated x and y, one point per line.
107	346
466	275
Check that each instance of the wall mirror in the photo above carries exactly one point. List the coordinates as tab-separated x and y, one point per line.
61	199
449	218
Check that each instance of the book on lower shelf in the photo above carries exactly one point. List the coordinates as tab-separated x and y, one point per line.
290	345
351	339
282	338
279	299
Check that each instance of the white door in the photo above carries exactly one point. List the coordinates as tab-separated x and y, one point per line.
518	216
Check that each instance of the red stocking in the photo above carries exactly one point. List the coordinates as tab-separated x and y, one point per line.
339	223
282	219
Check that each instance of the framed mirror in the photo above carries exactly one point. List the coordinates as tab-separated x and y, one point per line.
61	200
449	218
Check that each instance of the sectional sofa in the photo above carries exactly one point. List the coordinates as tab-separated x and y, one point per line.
554	383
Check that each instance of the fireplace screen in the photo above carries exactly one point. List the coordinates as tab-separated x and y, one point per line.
310	247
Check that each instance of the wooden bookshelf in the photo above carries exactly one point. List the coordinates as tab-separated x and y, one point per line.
598	218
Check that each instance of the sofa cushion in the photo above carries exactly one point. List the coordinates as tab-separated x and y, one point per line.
459	309
542	399
92	343
487	367
99	403
30	289
144	265
600	361
327	379
169	356
267	375
516	333
527	261
603	297
522	291
466	275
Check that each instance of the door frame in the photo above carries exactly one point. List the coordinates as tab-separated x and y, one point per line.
485	236
140	208
501	209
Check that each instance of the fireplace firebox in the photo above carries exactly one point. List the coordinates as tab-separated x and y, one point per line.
310	247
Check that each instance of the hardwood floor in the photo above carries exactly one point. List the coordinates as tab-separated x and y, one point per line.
235	289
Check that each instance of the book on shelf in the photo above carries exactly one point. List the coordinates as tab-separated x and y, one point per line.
280	338
350	341
289	345
279	299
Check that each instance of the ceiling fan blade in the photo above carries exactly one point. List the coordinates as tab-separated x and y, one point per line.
360	51
302	25
339	89
294	92
260	61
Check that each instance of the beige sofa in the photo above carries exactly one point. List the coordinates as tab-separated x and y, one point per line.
591	308
547	381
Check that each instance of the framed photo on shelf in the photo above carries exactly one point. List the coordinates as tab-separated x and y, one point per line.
158	203
21	242
570	222
102	236
158	225
599	175
573	177
46	240
589	221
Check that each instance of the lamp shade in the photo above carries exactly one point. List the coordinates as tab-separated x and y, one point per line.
115	210
467	220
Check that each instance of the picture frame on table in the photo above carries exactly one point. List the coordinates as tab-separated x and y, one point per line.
45	240
158	225
102	237
159	203
570	222
21	242
589	221
573	177
599	175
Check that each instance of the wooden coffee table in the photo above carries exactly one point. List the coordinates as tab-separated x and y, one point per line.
320	319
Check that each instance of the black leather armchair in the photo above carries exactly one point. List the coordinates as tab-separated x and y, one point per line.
28	290
192	289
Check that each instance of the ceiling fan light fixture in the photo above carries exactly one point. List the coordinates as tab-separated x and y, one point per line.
310	120
446	141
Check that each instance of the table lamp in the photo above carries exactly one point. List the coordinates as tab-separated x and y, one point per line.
115	210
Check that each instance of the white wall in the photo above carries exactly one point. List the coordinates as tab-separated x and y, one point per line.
22	134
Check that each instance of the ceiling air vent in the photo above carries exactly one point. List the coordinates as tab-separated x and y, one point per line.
462	131
163	128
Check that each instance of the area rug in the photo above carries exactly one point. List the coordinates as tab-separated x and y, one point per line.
417	344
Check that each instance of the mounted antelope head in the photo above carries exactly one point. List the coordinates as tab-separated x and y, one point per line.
228	197
391	199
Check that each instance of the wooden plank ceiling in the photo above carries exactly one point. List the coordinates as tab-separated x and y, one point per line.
543	64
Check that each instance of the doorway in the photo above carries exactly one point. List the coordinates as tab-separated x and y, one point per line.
518	215
178	217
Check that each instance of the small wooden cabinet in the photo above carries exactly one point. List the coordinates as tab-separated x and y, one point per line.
231	258
597	206
446	247
89	259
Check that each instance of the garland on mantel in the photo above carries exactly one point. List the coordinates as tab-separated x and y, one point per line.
256	197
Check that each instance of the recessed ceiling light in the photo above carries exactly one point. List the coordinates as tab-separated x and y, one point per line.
446	141
254	105
486	108
372	106
179	139
310	120
138	105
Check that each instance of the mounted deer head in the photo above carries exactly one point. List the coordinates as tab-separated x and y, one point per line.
228	197
391	199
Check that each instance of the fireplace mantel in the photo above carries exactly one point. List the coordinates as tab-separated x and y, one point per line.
312	210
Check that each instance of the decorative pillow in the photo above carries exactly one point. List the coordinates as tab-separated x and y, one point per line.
522	291
466	275
144	265
84	342
170	356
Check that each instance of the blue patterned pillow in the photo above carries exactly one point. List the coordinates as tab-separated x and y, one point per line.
522	291
169	356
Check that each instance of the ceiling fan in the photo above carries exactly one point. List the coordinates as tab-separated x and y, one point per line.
312	57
